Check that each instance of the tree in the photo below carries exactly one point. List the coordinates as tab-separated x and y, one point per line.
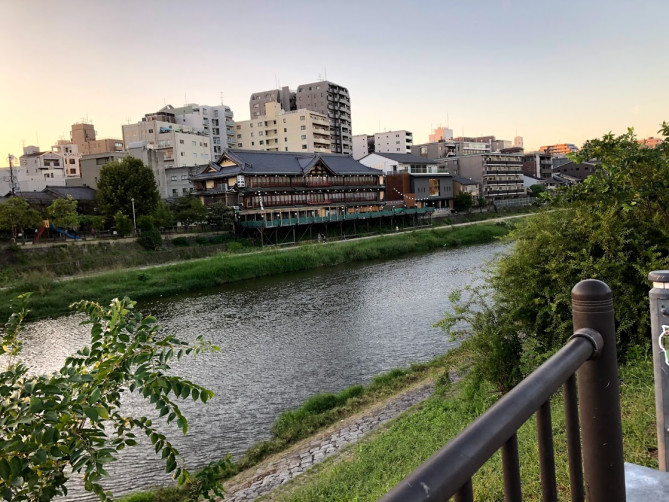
189	209
220	216
123	224
63	213
463	202
537	189
72	422
120	182
614	227
162	216
17	216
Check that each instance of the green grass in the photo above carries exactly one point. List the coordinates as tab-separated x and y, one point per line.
376	465
52	298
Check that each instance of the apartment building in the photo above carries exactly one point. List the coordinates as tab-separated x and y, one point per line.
382	142
538	165
38	169
90	166
284	96
281	131
420	190
500	175
71	157
216	122
333	101
560	149
180	144
440	134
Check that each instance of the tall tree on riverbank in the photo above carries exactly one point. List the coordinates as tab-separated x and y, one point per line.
121	182
63	213
614	227
16	215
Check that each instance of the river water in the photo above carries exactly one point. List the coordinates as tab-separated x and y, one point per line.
282	340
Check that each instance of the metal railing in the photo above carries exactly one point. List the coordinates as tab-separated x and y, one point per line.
591	354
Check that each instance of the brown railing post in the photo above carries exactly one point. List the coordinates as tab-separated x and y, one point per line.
599	395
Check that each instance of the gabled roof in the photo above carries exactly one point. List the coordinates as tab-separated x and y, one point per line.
287	163
405	158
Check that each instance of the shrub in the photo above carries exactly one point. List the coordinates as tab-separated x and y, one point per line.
234	246
146	222
123	224
181	241
150	240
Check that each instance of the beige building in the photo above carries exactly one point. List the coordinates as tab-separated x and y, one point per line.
71	157
84	136
38	169
281	131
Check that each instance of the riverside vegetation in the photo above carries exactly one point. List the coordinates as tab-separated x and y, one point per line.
51	297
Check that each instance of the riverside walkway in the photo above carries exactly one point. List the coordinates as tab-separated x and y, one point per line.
282	467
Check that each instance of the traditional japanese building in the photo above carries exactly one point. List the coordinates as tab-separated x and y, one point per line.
288	188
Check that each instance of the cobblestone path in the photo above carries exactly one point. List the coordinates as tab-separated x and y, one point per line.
280	469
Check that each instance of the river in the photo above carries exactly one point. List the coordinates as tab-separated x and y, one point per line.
282	340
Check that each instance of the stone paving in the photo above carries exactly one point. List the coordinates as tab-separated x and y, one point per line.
277	471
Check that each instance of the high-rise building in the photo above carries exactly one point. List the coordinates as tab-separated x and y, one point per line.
333	101
284	96
213	121
281	131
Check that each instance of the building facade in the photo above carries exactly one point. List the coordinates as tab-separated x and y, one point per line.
499	175
71	157
181	145
277	186
90	166
216	122
396	163
284	96
560	149
382	142
333	101
38	169
538	165
420	190
85	137
441	134
281	131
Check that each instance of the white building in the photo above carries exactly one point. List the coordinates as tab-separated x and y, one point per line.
396	163
281	131
38	169
214	121
71	157
180	145
383	142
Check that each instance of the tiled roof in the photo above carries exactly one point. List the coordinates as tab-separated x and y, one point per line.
464	181
289	163
77	193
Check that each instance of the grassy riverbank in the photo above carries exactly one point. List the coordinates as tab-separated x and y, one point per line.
52	298
375	465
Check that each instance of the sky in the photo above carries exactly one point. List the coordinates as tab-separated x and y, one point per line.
551	72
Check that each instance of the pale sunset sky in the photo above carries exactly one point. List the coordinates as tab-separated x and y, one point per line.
552	72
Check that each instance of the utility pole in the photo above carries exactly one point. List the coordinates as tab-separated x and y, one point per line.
12	183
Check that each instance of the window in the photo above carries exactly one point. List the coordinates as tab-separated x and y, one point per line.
262	142
284	121
301	117
259	124
251	134
174	178
304	147
260	133
71	161
175	192
304	136
181	141
285	140
239	127
184	176
239	145
194	155
303	128
150	131
185	190
182	154
285	130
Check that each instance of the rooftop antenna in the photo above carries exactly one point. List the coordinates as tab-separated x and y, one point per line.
325	71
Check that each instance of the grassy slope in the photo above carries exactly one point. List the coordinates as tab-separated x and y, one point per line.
373	467
52	298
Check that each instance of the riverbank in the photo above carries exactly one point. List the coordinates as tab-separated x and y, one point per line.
52	298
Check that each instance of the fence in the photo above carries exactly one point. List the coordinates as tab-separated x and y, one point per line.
591	354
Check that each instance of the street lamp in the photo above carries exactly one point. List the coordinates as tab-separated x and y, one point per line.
134	221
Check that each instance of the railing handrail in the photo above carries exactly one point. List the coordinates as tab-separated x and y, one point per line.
591	352
469	450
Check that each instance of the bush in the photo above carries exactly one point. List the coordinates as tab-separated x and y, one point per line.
123	224
181	241
151	240
234	246
146	222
